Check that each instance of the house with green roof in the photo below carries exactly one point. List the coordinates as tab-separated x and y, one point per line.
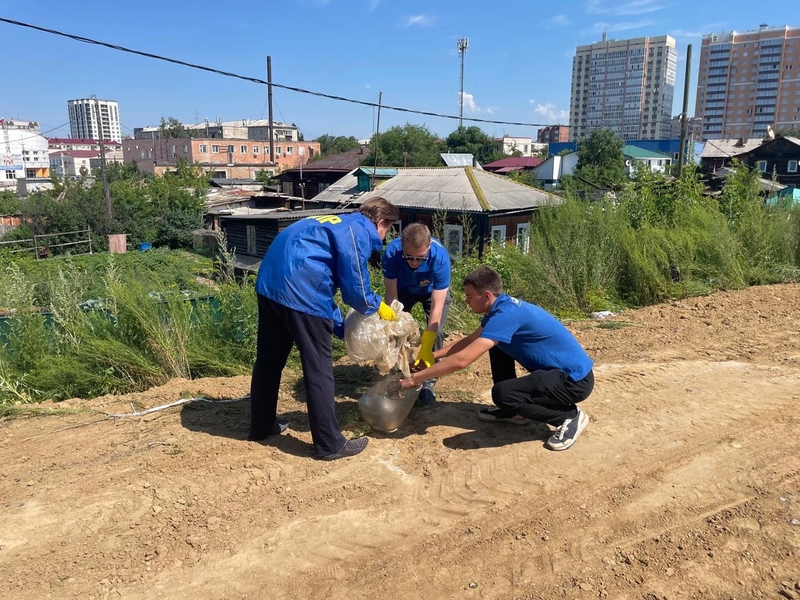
654	161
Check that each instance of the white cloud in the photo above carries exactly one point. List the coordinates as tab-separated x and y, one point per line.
372	4
425	20
603	27
367	86
633	7
551	113
471	106
557	21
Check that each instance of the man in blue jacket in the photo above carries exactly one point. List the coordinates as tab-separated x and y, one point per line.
305	265
416	269
560	372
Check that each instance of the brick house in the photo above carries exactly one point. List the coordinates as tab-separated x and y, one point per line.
223	158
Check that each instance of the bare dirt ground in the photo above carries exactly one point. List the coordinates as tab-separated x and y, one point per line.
685	485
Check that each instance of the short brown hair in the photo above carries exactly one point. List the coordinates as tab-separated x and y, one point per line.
417	235
485	279
377	209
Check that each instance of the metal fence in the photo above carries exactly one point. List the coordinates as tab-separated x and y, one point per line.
42	248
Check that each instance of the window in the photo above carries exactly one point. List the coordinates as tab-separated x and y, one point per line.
277	149
230	149
215	149
173	151
243	149
30	172
792	168
397	227
289	150
761	165
255	149
11	174
454	240
524	237
251	240
185	149
203	148
499	235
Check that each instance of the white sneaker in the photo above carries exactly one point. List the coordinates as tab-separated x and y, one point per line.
567	433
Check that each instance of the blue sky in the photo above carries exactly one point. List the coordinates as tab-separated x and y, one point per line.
518	66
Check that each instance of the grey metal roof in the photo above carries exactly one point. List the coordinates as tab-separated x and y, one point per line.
455	188
457	160
341	191
728	147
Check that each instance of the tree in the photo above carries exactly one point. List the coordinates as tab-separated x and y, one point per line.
9	203
600	159
330	144
422	147
172	128
473	140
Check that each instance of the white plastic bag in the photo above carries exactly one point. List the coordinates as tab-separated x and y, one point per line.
386	344
384	410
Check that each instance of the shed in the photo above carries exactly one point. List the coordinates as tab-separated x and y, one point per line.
249	235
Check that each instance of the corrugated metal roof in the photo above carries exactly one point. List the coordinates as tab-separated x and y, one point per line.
457	160
516	162
636	152
379	172
341	191
344	161
452	189
728	147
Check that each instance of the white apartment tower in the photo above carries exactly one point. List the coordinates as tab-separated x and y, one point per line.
84	123
749	81
624	85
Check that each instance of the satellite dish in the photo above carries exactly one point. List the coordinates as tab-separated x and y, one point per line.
628	162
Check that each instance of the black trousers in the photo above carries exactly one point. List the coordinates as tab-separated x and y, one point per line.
547	396
410	300
279	328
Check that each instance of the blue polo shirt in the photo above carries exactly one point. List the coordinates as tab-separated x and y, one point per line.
432	274
534	338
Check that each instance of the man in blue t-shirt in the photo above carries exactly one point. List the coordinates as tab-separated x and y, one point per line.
416	268
516	331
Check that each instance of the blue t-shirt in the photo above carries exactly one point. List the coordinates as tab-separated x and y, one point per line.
534	338
432	274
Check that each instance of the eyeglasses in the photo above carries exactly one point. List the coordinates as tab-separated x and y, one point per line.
415	258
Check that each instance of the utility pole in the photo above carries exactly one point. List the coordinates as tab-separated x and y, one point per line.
463	43
269	101
684	115
377	137
106	190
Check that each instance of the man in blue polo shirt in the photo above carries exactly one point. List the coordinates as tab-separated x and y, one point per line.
515	331
416	268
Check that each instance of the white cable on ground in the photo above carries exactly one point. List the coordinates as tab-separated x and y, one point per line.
135	413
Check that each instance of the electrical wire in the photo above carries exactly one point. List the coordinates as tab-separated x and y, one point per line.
30	137
290	88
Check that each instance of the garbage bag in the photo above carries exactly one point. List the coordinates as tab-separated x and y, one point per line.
386	411
386	344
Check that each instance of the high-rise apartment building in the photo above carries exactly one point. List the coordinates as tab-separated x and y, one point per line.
84	121
624	85
749	81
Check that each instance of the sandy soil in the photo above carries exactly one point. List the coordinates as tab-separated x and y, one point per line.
685	484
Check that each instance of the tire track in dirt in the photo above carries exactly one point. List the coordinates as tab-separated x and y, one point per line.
624	490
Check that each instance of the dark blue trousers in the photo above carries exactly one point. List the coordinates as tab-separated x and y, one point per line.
279	328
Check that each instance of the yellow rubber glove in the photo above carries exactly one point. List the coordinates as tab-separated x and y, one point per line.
386	313
426	349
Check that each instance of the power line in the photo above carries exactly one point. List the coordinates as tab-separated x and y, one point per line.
30	137
290	88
